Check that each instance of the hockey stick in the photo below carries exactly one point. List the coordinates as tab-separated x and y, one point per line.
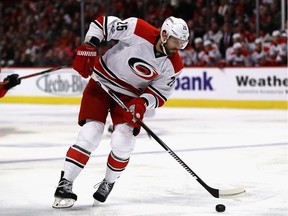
39	73
232	193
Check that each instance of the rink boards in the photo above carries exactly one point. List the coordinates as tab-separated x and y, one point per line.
252	87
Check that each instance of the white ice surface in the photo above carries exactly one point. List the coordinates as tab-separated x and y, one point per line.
226	148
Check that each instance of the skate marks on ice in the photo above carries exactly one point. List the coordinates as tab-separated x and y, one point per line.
143	190
226	148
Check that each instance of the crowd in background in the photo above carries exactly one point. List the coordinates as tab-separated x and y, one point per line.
222	32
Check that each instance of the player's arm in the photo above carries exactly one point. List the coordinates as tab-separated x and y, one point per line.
161	88
104	28
12	81
2	91
158	92
156	95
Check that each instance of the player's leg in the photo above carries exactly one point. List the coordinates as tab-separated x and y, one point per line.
122	144
92	121
77	157
150	113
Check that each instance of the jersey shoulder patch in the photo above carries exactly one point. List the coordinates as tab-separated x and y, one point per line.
147	31
176	62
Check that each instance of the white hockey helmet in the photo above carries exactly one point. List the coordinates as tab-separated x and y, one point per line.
177	28
276	33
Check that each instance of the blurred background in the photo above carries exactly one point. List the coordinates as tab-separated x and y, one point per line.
46	33
236	59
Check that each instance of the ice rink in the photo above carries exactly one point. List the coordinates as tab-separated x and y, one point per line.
227	148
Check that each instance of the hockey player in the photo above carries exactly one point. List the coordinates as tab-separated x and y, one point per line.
141	69
211	55
278	49
239	57
259	56
12	81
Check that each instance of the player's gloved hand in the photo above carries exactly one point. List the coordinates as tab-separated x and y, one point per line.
137	107
84	60
12	81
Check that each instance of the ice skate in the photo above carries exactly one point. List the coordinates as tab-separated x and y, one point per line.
102	192
64	196
110	129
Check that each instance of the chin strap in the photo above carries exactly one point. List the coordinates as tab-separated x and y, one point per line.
163	47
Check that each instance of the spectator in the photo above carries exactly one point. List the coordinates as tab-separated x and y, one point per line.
187	55
211	55
30	51
42	23
238	58
278	49
192	32
237	38
198	51
223	7
226	40
259	56
214	34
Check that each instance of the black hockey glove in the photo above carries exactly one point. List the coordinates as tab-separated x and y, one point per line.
12	81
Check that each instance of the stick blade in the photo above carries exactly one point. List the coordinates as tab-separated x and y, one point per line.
232	193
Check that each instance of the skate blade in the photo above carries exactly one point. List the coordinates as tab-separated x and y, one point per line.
63	203
96	203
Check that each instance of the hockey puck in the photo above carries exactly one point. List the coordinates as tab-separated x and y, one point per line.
220	208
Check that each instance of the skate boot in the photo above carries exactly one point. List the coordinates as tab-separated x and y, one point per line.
64	196
102	192
110	129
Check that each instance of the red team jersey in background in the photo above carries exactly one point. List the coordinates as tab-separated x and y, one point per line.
2	91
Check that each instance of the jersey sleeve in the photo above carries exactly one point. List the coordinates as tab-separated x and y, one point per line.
2	91
106	28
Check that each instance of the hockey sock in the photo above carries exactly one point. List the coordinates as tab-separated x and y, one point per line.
76	159
115	166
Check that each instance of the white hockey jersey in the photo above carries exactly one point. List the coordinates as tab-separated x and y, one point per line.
133	66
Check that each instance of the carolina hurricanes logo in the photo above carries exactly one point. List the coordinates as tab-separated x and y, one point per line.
142	68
